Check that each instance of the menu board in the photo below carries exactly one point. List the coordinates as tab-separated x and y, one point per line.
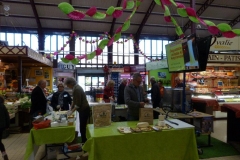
182	55
102	115
115	77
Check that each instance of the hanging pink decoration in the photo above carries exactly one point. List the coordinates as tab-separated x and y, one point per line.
91	11
213	29
75	15
98	51
117	13
110	42
69	57
81	57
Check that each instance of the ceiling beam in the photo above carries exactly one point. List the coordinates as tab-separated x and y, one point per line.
234	21
199	12
148	12
36	15
114	19
71	21
68	19
84	7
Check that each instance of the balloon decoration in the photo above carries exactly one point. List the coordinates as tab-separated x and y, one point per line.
116	12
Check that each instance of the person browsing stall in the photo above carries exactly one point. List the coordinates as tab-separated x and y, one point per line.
134	97
155	93
161	88
4	124
108	92
61	99
120	99
178	83
38	99
80	104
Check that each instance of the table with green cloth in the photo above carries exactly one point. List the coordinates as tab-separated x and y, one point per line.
49	135
107	143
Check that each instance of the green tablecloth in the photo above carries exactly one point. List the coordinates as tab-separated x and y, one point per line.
49	136
108	144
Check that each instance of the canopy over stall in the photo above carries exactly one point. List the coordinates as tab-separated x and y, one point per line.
23	56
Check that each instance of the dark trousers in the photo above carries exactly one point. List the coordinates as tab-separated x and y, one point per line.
2	148
83	116
132	118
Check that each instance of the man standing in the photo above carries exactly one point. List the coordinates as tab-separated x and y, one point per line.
38	99
134	98
178	83
120	99
155	96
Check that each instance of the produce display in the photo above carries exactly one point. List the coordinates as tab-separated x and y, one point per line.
25	102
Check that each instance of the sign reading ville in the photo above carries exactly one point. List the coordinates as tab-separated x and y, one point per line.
67	66
223	58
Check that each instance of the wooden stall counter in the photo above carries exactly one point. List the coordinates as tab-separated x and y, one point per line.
233	121
205	105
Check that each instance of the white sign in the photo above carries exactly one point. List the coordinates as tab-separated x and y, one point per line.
223	58
67	66
157	65
223	43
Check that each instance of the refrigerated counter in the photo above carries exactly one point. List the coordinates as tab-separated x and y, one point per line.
219	101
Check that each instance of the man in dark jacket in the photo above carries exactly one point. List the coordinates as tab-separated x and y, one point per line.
38	99
155	95
4	124
120	99
61	99
134	97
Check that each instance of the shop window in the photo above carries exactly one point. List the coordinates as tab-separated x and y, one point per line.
47	43
26	40
34	42
10	39
154	47
2	36
18	39
53	43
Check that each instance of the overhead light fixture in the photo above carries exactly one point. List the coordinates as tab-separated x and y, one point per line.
6	7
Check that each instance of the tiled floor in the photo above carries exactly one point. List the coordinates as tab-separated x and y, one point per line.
15	143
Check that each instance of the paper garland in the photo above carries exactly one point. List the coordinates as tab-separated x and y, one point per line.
116	12
223	28
71	58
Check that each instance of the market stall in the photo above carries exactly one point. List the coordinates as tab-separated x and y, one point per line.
23	65
107	142
20	70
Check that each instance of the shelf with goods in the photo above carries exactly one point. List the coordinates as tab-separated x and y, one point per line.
115	76
220	79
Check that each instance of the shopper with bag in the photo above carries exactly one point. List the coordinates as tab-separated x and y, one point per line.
4	124
134	97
